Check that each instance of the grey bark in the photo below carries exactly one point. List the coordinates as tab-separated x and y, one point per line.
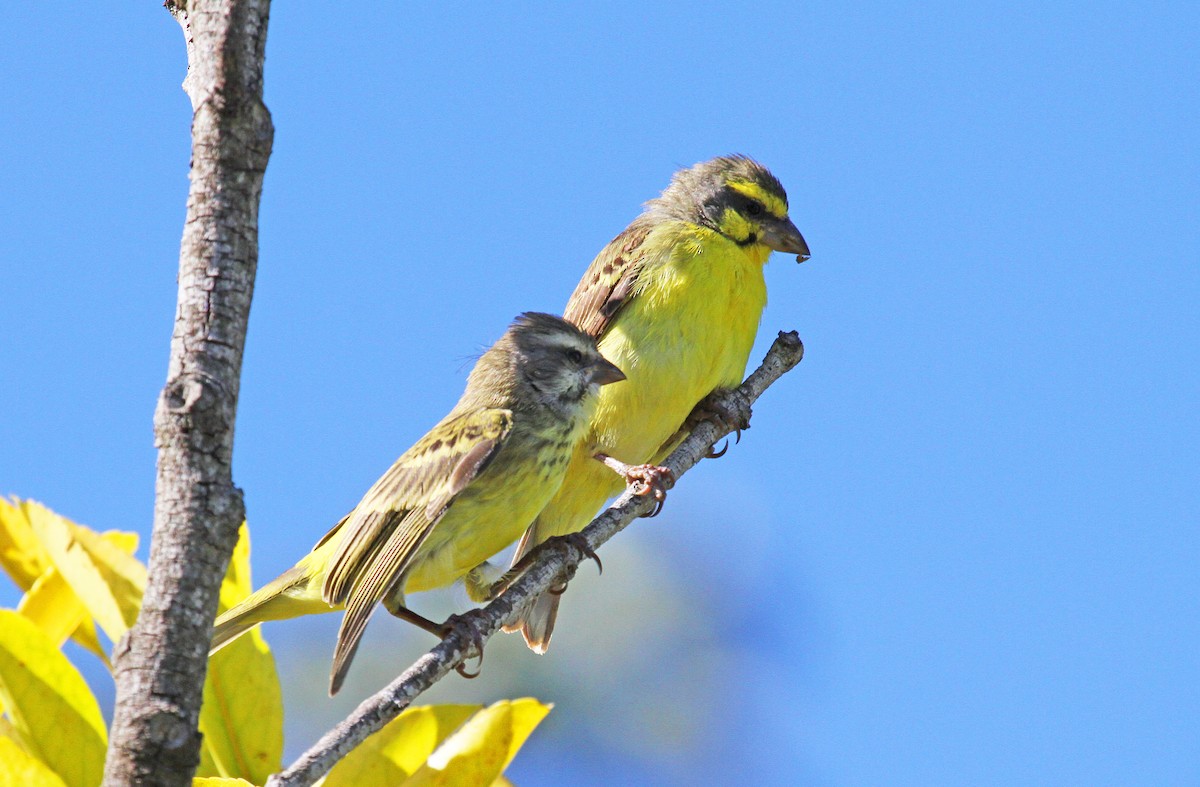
553	562
160	665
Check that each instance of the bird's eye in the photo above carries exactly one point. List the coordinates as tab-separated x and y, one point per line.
574	356
754	208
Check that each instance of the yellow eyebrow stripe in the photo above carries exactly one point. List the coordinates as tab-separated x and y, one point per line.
774	204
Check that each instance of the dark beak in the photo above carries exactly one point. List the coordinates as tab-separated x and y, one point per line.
782	235
603	373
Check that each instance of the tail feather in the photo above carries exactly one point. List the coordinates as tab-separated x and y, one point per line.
536	623
288	596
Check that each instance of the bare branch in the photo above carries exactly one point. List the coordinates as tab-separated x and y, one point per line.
160	664
553	562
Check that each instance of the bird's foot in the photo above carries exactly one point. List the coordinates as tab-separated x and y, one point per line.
461	625
643	480
729	418
580	542
493	591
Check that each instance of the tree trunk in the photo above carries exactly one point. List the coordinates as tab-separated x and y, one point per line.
160	665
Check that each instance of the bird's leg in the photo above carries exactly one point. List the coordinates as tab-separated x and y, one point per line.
396	607
710	408
643	479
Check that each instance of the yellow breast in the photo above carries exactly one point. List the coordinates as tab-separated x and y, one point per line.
688	330
494	510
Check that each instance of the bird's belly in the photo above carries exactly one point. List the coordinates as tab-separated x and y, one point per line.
679	341
484	520
689	331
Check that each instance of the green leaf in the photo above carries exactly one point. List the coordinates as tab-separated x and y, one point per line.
53	712
401	747
242	714
480	750
19	768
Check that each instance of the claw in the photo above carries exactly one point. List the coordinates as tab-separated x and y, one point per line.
713	453
658	507
580	542
709	409
459	623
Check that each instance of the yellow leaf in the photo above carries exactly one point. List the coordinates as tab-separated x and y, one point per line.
18	768
111	553
53	607
237	583
53	712
480	750
107	581
401	747
24	557
85	635
21	554
242	714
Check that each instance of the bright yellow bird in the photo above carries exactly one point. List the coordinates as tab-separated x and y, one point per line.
462	493
675	301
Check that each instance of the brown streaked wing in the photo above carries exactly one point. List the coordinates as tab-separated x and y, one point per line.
386	567
387	563
426	478
608	282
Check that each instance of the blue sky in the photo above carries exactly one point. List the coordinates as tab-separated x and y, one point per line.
959	544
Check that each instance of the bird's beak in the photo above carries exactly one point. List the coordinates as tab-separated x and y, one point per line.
782	235
603	373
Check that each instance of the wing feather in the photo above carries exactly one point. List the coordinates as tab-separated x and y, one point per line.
386	531
427	478
380	576
609	282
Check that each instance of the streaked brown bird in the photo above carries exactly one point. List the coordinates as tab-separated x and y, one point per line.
462	493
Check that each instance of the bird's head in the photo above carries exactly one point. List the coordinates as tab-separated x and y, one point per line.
558	363
736	197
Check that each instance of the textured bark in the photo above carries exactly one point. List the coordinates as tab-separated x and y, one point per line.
553	562
160	666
